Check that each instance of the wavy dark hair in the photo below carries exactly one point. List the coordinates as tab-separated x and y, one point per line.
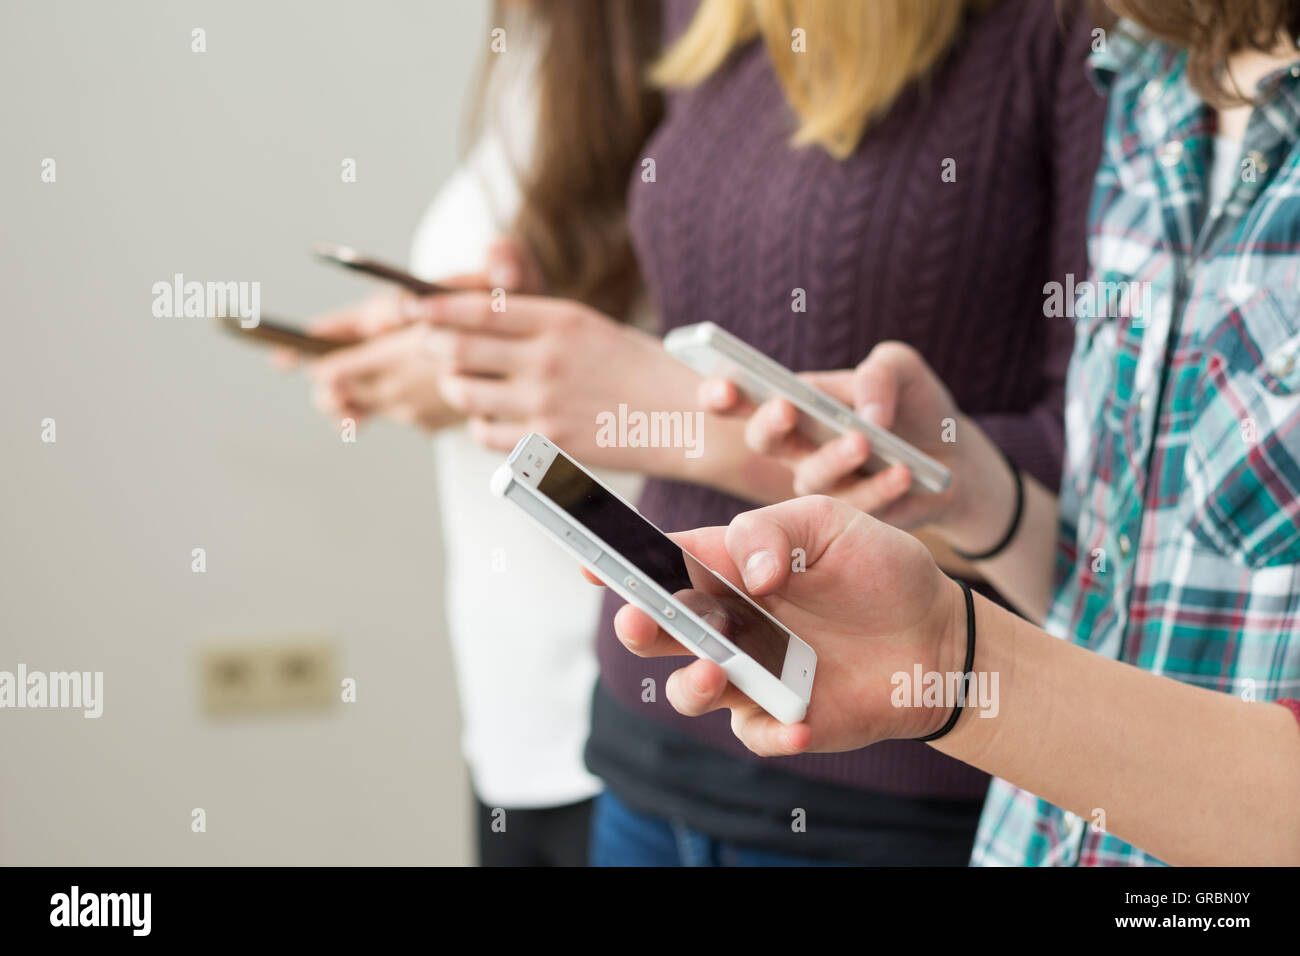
1213	30
595	112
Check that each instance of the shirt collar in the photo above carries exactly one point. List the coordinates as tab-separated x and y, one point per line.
1131	50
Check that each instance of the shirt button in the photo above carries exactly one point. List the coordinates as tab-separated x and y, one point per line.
1150	93
1072	822
1171	152
1258	161
1281	363
1295	71
1144	401
1125	544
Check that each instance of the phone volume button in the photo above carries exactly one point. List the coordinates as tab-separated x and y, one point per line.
840	414
582	545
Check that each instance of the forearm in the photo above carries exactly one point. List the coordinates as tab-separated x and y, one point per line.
1191	776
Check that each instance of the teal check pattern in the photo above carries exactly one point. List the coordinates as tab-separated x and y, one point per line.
1180	518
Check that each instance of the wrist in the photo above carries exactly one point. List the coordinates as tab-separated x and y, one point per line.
995	668
948	635
731	466
984	498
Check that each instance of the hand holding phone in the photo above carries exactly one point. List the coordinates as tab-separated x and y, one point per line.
869	598
709	616
907	397
714	352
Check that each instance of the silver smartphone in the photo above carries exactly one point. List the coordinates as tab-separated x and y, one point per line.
715	352
701	609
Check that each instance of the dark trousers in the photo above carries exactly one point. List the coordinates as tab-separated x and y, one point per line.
544	836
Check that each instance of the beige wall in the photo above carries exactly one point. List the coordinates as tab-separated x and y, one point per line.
222	166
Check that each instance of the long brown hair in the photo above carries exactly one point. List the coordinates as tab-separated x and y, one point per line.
1213	30
595	112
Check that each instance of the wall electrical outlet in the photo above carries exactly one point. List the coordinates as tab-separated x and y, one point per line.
280	676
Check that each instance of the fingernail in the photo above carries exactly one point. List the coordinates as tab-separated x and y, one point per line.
716	620
849	449
719	394
873	413
759	569
700	684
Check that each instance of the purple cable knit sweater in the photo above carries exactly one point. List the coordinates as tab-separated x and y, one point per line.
885	249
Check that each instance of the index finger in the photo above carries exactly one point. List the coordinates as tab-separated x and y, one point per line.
356	361
380	313
722	396
837	384
702	687
489	313
772	430
642	636
466	281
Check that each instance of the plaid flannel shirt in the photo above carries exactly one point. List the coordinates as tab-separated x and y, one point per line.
1180	520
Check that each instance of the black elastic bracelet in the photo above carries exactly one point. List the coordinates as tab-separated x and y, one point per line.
1001	546
968	672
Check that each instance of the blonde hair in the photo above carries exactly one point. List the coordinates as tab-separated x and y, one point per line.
860	55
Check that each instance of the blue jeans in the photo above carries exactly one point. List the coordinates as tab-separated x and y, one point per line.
622	836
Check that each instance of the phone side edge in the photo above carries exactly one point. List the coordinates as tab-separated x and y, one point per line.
768	690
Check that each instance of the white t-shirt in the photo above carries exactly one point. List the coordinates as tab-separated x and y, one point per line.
521	618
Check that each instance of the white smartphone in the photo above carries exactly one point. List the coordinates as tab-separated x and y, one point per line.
715	352
710	617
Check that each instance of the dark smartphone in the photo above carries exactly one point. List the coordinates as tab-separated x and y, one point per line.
351	259
271	332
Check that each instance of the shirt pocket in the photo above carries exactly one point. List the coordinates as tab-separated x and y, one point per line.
1241	470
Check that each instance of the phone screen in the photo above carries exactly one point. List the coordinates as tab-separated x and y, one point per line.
715	600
